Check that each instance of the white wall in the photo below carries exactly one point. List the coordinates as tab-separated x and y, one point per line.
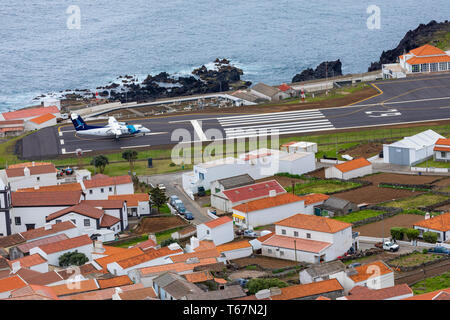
97	194
41	180
31	215
299	166
219	235
78	220
238	253
52	258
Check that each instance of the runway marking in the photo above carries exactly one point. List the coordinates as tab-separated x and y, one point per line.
281	125
265	119
270	113
198	130
154	133
63	151
141	146
69	152
61	141
60	133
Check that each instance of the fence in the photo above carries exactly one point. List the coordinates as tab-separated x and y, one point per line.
435	170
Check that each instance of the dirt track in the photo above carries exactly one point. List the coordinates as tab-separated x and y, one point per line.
400	220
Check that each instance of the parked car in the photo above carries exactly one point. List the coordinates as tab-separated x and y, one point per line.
355	264
439	249
172	200
179	206
188	215
201	192
161	186
242	282
250	233
388	246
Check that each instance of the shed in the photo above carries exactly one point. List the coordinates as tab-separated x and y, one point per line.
334	206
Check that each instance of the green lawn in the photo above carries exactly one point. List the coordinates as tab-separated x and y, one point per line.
142	238
415	202
161	236
414	259
432	284
359	215
433	164
322	186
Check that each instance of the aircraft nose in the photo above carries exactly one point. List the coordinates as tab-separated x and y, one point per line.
145	130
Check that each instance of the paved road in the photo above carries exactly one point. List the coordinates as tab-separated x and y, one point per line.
414	99
172	182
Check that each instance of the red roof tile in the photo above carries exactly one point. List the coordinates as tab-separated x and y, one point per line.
218	222
59	187
131	199
138	294
11	283
422	60
234	246
314	198
444	142
146	244
42	199
81	209
108	221
29	261
268	202
128	253
306	290
71	243
41	232
429	295
199	276
352	165
177	267
368	270
102	181
427	50
29	112
210	253
296	243
364	293
439	223
284	87
114	282
25	248
43	118
253	191
104	204
149	255
34	170
77	287
314	223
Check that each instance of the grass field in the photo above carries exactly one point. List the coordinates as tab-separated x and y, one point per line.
322	186
432	284
126	244
161	236
415	202
415	259
433	164
359	215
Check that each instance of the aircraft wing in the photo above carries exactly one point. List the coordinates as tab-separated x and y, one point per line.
112	122
117	132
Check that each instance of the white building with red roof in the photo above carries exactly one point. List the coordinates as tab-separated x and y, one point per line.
442	150
308	238
34	175
225	200
101	186
426	58
349	170
52	251
219	230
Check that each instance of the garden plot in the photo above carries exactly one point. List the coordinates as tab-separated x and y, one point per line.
382	228
412	203
374	194
400	178
322	186
158	224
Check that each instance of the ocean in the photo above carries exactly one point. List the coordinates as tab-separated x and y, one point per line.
271	41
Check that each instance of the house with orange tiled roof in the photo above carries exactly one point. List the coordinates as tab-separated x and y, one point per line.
349	170
33	262
52	251
398	292
138	204
442	150
101	186
33	175
150	257
373	275
308	238
235	250
442	294
439	224
267	210
7	285
219	230
426	58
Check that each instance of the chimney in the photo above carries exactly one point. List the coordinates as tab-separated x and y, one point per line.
33	163
272	193
152	237
427	216
15	267
26	171
194	243
98	245
47	226
274	291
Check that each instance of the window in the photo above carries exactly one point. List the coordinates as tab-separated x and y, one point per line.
201	176
74	221
87	222
416	68
58	221
217	190
443	154
281	253
424	67
90	191
102	190
18	221
207	231
283	231
38	178
443	66
308	235
433	67
110	189
295	233
269	250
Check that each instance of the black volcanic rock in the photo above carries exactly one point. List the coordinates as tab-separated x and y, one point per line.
423	34
332	68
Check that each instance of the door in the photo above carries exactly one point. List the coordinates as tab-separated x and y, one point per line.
317	212
399	156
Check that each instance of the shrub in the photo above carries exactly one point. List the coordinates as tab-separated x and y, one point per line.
167	242
172	164
425	251
430	237
397	233
412	234
257	284
73	258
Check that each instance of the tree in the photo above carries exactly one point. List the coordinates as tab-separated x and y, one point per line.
158	197
412	234
257	284
73	258
430	237
100	162
130	156
397	233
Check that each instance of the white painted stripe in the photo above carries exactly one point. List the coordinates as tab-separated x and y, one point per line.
280	129
154	133
141	146
266	117
275	123
61	141
282	125
319	116
67	131
60	133
271	113
280	122
198	129
178	121
67	152
285	132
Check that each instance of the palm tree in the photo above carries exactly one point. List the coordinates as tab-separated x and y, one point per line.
100	162
130	156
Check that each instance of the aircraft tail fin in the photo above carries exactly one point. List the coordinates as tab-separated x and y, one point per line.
78	122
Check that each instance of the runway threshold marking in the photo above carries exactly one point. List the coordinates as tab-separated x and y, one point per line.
198	130
61	141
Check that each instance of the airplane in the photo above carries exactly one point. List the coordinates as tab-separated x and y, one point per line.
114	128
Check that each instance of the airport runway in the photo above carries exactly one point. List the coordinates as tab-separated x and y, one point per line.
413	99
